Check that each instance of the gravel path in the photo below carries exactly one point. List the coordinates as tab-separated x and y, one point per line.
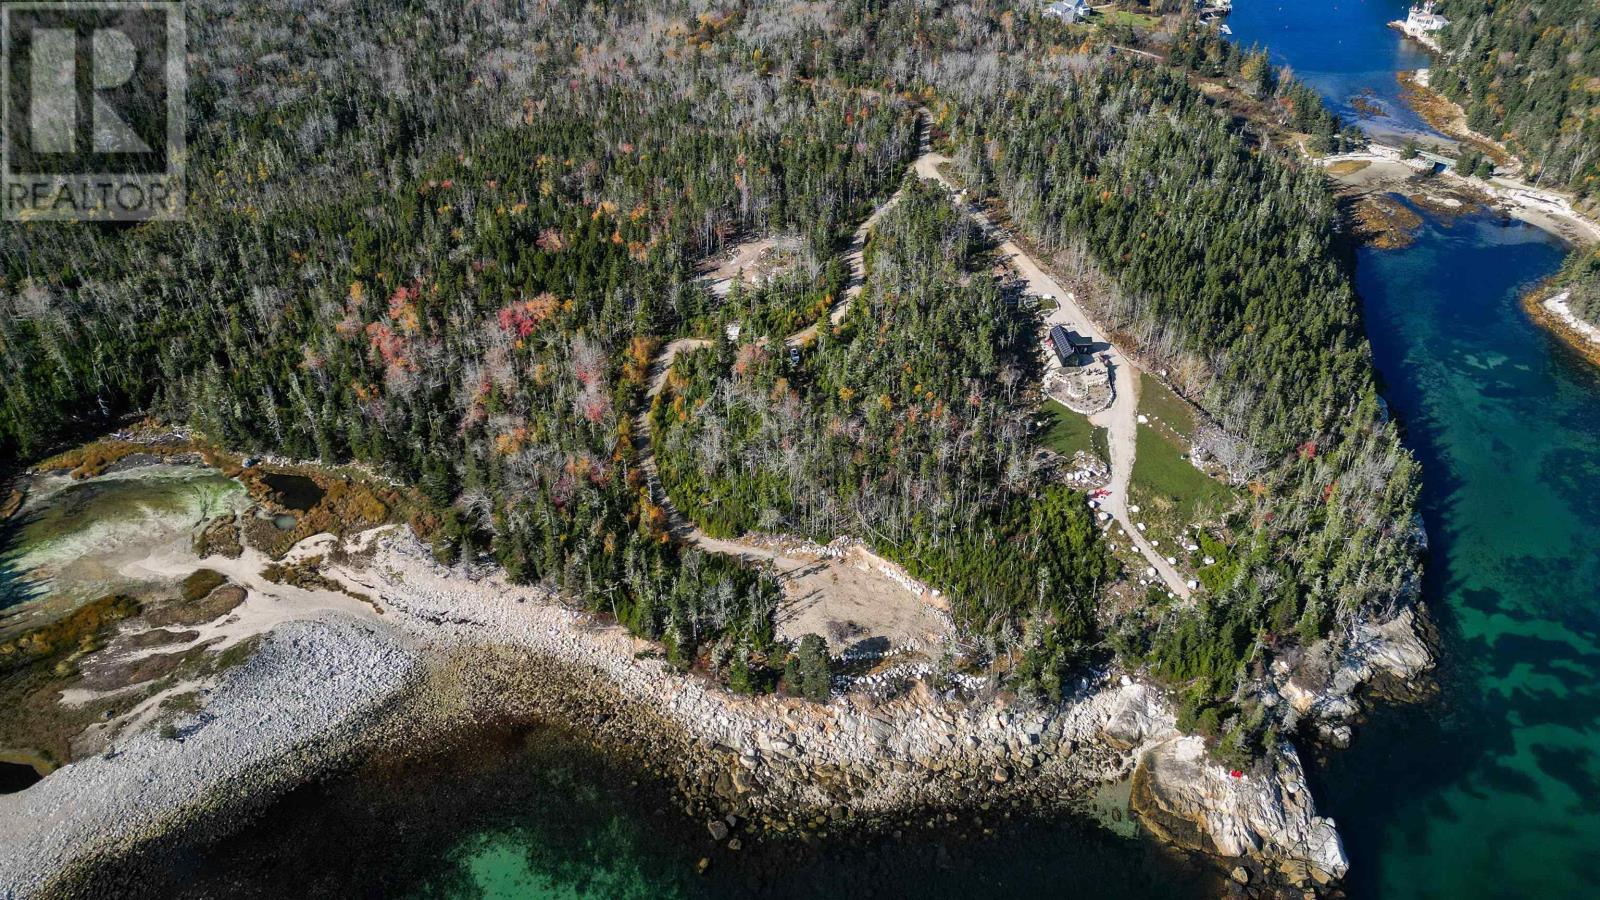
1120	419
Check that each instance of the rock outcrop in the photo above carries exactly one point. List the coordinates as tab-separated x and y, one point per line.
775	763
1195	802
1191	800
1326	684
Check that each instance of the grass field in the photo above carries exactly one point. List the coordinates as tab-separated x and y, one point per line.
1123	17
1157	401
1170	491
1347	166
1067	432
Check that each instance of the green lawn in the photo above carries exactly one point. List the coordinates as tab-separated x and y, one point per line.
1157	401
1122	16
1168	488
1067	432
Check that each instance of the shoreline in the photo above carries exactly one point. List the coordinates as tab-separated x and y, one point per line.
670	775
1547	208
1552	313
917	748
286	713
777	763
1446	116
1416	34
1386	172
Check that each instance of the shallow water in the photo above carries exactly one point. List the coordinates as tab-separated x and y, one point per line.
70	540
529	812
1500	778
1493	789
296	492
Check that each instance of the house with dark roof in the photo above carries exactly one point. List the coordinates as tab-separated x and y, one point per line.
1071	348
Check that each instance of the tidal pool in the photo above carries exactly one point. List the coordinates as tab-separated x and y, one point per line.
73	541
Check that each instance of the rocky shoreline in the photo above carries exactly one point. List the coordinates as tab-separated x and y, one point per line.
1552	312
1381	170
453	647
294	709
1552	210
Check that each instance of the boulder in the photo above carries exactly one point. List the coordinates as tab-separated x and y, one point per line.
1137	715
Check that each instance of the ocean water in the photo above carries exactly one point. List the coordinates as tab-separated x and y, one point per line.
514	812
1346	50
1493	788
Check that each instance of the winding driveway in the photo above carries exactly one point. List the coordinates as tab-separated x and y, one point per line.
1120	419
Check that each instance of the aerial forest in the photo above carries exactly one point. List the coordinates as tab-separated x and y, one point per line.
1528	74
448	241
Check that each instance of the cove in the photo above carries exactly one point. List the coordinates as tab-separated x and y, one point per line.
530	811
1493	788
1347	52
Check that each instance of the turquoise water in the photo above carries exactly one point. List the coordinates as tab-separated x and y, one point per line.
1493	788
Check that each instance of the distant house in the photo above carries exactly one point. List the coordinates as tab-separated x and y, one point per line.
1423	18
1071	348
1068	11
1421	24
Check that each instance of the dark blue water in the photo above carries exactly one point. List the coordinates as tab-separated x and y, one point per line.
1346	50
1493	789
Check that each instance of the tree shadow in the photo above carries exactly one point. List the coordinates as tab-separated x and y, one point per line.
862	656
873	646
